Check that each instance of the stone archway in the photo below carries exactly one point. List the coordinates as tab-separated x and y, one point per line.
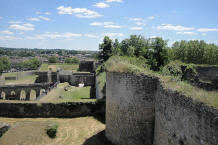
23	95
3	95
42	91
33	94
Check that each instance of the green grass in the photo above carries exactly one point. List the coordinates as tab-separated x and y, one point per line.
55	66
73	94
123	64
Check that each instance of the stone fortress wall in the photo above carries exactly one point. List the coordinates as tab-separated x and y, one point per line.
140	111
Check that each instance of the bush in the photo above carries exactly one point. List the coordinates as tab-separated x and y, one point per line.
173	69
53	59
51	130
71	60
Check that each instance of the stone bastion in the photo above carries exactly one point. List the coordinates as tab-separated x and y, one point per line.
140	111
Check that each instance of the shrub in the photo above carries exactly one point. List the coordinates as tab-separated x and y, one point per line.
71	60
173	69
51	130
53	59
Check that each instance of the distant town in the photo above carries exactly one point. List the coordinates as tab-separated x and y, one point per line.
19	58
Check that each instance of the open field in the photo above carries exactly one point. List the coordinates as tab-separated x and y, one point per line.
55	66
74	131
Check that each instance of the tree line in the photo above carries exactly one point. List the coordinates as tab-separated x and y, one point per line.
156	53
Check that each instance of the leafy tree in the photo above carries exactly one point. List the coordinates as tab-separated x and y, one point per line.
53	59
159	53
130	51
195	51
31	64
105	49
5	64
124	47
116	48
71	60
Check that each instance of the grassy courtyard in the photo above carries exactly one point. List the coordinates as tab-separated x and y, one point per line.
55	66
74	131
66	93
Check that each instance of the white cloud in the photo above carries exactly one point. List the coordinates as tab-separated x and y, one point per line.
44	18
54	35
6	32
112	26
174	28
79	12
33	19
47	13
187	33
151	17
203	34
95	24
41	13
91	36
136	28
112	34
140	23
110	1
136	19
23	27
21	33
9	38
101	5
153	37
15	22
106	25
207	30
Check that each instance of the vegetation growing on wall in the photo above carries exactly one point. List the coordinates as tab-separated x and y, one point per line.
124	64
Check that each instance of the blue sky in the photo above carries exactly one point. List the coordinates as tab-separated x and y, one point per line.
81	24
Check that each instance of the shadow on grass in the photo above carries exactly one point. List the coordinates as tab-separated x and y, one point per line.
98	139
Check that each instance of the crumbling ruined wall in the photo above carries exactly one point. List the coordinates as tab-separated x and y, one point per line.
130	108
86	66
68	109
100	92
207	73
132	101
179	120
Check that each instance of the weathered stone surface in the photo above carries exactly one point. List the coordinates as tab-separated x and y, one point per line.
86	66
17	89
70	109
3	128
179	120
130	109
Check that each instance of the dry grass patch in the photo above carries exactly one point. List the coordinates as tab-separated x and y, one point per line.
73	131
